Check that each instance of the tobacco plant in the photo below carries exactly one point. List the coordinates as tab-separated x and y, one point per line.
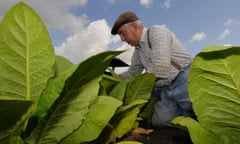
214	88
46	99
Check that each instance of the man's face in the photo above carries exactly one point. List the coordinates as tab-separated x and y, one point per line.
126	33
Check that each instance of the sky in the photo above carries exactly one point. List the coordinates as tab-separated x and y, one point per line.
82	28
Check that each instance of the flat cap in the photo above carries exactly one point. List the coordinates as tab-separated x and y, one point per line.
124	18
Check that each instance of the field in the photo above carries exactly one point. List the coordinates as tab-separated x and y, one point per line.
166	135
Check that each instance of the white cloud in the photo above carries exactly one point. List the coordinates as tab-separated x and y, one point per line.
146	3
198	37
229	22
85	38
225	33
227	44
55	13
166	4
93	39
111	1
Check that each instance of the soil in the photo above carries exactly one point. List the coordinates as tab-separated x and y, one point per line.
166	135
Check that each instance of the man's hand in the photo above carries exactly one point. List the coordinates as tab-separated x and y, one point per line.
120	77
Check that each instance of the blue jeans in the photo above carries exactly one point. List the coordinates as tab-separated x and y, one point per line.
172	100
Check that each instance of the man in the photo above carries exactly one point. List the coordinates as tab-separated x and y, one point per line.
158	51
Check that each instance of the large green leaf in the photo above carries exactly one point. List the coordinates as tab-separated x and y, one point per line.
135	92
16	139
26	54
119	125
107	84
130	106
52	92
66	115
147	110
199	135
91	68
62	64
119	90
214	88
99	115
139	88
64	68
127	122
129	142
13	114
79	92
48	97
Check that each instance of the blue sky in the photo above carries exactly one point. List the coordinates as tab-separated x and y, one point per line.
81	28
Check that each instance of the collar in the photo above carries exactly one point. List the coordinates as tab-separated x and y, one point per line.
143	39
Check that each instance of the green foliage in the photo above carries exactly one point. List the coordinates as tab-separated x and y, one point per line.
98	117
13	114
107	84
199	134
64	68
119	90
26	63
127	122
52	92
62	65
129	142
214	88
138	90
27	55
46	99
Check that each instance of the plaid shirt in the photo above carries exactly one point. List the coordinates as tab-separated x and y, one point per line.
157	59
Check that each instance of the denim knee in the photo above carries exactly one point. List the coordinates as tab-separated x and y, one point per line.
186	106
163	114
